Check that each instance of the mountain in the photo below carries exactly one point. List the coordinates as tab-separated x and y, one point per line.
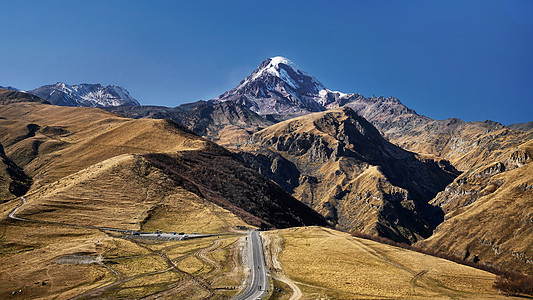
277	87
9	88
226	123
51	143
522	126
492	198
10	96
89	95
338	163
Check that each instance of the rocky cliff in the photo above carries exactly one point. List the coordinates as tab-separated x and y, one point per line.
337	163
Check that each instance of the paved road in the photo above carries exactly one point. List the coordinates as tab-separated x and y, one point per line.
14	211
257	283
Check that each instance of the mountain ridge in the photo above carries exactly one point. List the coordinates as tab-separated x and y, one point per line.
343	168
88	95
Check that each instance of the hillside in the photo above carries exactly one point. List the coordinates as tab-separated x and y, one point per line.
314	262
93	170
11	96
522	126
127	192
493	200
338	163
66	140
13	181
50	142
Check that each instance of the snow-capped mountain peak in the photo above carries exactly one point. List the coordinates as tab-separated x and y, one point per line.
85	94
274	66
286	70
277	86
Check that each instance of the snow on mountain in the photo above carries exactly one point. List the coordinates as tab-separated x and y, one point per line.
278	86
90	95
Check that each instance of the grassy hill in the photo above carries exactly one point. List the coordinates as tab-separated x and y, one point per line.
323	263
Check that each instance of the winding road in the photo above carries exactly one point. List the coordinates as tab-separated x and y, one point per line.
12	213
257	283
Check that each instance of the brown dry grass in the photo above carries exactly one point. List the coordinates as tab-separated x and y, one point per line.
499	224
126	192
329	263
28	252
129	267
27	255
75	138
186	212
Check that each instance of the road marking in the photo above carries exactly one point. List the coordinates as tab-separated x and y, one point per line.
257	282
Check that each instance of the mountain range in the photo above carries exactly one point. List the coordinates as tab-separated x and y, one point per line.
452	167
365	164
88	95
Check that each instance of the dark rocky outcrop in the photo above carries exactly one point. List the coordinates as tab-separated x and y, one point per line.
19	181
220	177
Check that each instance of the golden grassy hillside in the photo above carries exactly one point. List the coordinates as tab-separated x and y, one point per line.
93	168
126	192
493	200
53	142
5	179
497	210
465	145
69	139
322	263
85	180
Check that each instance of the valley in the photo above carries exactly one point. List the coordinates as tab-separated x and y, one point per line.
455	166
135	201
118	266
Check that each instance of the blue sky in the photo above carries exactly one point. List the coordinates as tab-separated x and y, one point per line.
467	59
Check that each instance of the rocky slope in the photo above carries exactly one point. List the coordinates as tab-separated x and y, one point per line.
492	198
338	163
89	95
521	126
281	89
277	87
51	143
226	123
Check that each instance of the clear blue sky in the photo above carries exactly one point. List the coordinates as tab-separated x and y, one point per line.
466	59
